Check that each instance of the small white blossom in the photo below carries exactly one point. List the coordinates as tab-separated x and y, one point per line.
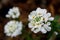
13	13
56	33
39	20
13	28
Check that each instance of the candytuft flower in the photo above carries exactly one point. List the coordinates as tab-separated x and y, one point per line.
13	13
13	28
39	20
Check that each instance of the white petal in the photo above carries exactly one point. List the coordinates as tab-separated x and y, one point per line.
33	13
20	26
42	11
10	12
29	18
6	30
30	25
48	14
48	23
51	18
46	19
37	30
38	10
13	16
32	29
47	27
8	34
8	16
43	30
17	32
56	33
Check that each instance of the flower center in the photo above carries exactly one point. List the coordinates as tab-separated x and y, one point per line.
12	28
33	17
37	19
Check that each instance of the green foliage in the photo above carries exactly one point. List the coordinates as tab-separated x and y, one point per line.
55	27
56	18
53	24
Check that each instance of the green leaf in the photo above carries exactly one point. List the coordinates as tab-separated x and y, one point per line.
53	26
57	17
58	27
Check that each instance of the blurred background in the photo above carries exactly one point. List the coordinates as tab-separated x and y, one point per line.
25	7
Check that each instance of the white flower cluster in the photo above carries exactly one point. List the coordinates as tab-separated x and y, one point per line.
13	13
39	20
13	28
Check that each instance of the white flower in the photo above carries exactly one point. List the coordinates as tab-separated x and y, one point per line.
13	13
13	28
39	20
